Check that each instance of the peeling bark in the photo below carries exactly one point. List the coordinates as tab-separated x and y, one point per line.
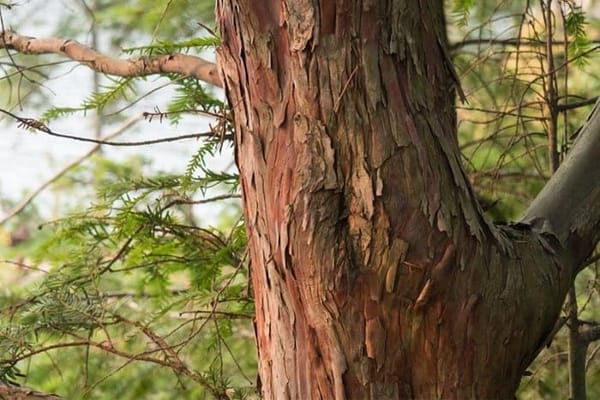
375	274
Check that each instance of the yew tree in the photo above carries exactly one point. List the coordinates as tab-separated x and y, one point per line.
375	273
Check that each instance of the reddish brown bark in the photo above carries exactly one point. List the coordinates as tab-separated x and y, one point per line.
374	273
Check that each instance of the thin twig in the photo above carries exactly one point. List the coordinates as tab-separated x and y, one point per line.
40	126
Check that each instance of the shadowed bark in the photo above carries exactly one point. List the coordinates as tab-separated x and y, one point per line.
374	272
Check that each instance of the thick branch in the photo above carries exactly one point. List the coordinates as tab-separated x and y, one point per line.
569	205
137	66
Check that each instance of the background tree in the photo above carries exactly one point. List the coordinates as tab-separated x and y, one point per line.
383	272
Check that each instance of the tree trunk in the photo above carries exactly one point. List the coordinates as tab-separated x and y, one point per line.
375	275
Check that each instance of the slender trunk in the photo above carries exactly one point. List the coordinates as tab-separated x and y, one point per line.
576	357
375	275
577	350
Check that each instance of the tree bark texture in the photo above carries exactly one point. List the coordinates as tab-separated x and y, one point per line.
375	275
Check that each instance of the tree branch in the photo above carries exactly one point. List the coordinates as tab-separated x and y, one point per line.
576	104
569	205
516	42
590	334
34	124
183	64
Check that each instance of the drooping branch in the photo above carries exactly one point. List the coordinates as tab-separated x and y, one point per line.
177	63
569	205
34	124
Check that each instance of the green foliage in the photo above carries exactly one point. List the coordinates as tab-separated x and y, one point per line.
146	277
121	89
461	11
184	46
139	245
191	96
575	26
178	19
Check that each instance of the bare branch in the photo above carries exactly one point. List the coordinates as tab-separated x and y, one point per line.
576	104
591	334
516	42
202	201
177	63
31	123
